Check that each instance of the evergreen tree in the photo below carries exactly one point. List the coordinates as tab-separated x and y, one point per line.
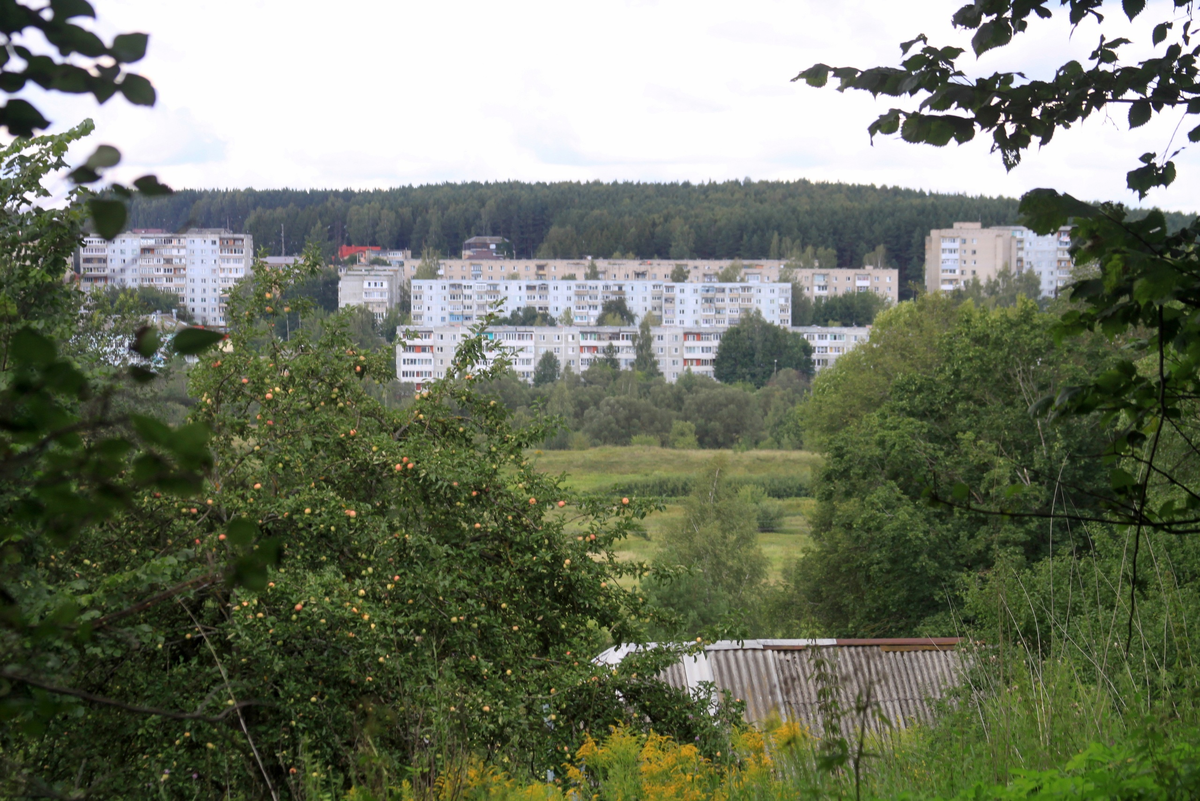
609	357
546	371
431	264
731	272
616	312
644	360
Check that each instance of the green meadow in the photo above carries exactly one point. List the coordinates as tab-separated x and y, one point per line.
600	469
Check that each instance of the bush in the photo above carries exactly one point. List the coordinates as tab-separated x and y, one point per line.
769	512
676	486
776	486
683	436
648	440
655	486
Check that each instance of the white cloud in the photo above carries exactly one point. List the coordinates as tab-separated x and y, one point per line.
371	93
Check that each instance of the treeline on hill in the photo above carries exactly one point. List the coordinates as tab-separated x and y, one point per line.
742	219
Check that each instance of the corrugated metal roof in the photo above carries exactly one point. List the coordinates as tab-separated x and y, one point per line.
900	677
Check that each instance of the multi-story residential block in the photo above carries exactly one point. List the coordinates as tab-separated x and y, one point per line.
200	265
828	343
440	302
1046	256
955	256
819	281
425	352
375	286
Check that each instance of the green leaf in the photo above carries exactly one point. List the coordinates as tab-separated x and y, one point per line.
1121	479
251	570
816	75
191	341
83	175
141	375
242	532
108	216
149	185
129	47
138	90
1045	210
906	46
103	157
21	118
1139	113
65	9
1133	7
151	430
31	348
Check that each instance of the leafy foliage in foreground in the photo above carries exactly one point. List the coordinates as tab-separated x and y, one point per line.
785	761
938	399
427	602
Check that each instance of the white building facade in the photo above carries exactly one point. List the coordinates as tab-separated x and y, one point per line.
442	302
375	286
1047	256
200	265
424	353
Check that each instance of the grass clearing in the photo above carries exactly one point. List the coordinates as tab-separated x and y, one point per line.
596	469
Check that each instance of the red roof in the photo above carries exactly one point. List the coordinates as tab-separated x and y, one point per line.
345	251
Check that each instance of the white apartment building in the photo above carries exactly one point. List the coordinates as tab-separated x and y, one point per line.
424	353
1047	256
955	256
443	302
375	286
828	343
199	265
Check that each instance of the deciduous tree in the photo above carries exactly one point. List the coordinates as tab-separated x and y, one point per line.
753	350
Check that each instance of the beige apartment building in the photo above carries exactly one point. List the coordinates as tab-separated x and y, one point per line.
698	270
955	256
818	281
375	286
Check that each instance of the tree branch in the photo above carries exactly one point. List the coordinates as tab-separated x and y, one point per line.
112	702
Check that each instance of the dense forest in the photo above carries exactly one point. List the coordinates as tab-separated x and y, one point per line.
746	219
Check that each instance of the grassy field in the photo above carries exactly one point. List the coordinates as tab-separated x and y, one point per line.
599	468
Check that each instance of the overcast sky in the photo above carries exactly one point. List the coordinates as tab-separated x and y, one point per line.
379	93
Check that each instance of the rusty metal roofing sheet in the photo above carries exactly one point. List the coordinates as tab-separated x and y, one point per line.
897	679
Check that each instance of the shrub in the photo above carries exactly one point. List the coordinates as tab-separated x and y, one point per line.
683	435
646	440
769	512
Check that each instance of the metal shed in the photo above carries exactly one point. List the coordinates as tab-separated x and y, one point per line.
901	676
